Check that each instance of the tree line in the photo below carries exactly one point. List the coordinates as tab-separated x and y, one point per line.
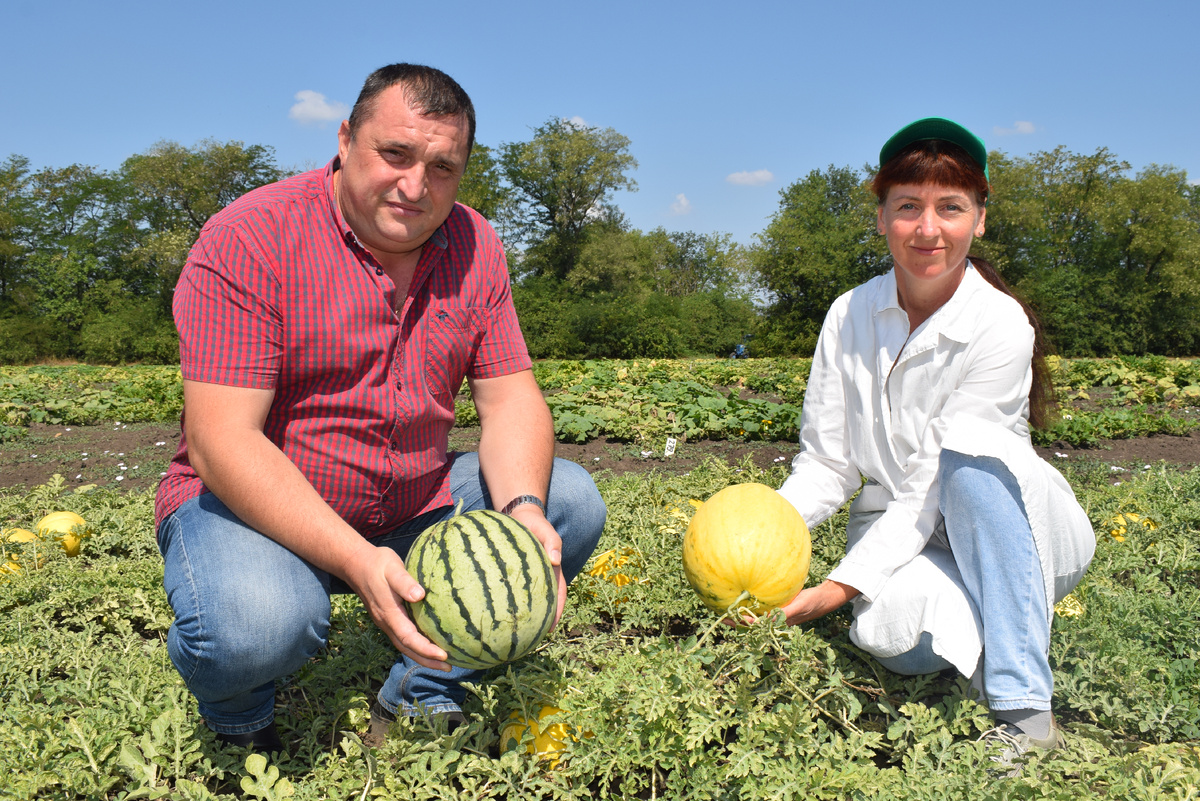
1109	260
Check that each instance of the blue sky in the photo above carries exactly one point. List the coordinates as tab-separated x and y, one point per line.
725	104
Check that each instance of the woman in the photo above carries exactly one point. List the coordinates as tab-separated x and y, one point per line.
922	387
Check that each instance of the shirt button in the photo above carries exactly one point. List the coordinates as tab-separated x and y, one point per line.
379	271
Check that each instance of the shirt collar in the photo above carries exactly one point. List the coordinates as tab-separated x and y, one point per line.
950	320
956	324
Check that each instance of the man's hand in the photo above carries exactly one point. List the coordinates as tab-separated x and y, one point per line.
516	451
229	451
818	601
535	521
381	581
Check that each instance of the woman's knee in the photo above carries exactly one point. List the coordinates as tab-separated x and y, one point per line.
974	479
918	660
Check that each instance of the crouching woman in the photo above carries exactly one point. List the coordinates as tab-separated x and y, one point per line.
923	386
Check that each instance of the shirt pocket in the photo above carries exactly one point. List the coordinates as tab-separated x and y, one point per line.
453	337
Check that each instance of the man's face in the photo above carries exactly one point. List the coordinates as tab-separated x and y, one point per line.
399	175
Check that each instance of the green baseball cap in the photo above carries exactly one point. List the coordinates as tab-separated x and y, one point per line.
936	128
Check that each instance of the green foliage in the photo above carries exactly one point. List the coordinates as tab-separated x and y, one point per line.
25	339
558	323
16	221
89	258
181	187
647	400
561	177
820	244
82	395
660	699
482	189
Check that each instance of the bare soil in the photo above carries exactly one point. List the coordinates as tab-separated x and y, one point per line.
133	456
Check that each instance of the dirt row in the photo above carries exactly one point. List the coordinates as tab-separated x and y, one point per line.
133	456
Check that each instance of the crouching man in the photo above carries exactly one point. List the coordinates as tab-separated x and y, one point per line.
326	323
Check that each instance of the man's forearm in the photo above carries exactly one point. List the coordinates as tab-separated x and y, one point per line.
516	455
516	445
265	490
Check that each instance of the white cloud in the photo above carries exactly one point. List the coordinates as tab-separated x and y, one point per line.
681	205
1020	128
312	108
576	121
747	178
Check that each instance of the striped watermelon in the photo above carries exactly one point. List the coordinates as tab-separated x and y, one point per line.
489	588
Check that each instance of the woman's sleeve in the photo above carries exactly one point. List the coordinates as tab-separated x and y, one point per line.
992	385
823	477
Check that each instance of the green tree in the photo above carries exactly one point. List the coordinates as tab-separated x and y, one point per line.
483	189
74	209
178	187
16	222
1107	261
173	190
181	187
820	244
612	259
563	181
1154	247
687	263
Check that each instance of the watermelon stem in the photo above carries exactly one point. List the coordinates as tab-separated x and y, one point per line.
745	596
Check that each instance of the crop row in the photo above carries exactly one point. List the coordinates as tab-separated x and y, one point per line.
649	399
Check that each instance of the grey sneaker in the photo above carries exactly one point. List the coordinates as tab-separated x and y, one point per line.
1016	744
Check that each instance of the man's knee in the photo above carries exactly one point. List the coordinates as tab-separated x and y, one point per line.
577	511
249	634
242	603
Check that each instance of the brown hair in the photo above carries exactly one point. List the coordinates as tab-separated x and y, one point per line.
934	161
428	91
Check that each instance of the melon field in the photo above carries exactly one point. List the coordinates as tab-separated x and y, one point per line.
650	696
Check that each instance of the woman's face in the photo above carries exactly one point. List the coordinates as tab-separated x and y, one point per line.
929	229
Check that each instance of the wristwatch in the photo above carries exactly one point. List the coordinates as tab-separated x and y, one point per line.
521	500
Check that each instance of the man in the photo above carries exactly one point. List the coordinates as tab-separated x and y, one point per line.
326	323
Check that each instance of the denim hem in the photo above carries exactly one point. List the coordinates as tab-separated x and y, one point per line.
421	710
1040	704
244	728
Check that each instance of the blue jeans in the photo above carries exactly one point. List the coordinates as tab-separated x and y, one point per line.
249	611
993	547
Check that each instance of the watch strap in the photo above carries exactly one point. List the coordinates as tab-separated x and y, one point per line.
521	500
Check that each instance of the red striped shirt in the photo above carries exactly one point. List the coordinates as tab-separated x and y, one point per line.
278	294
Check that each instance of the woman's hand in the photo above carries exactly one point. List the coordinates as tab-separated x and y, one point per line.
815	602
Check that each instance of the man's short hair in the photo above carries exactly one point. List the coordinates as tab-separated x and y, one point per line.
429	91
